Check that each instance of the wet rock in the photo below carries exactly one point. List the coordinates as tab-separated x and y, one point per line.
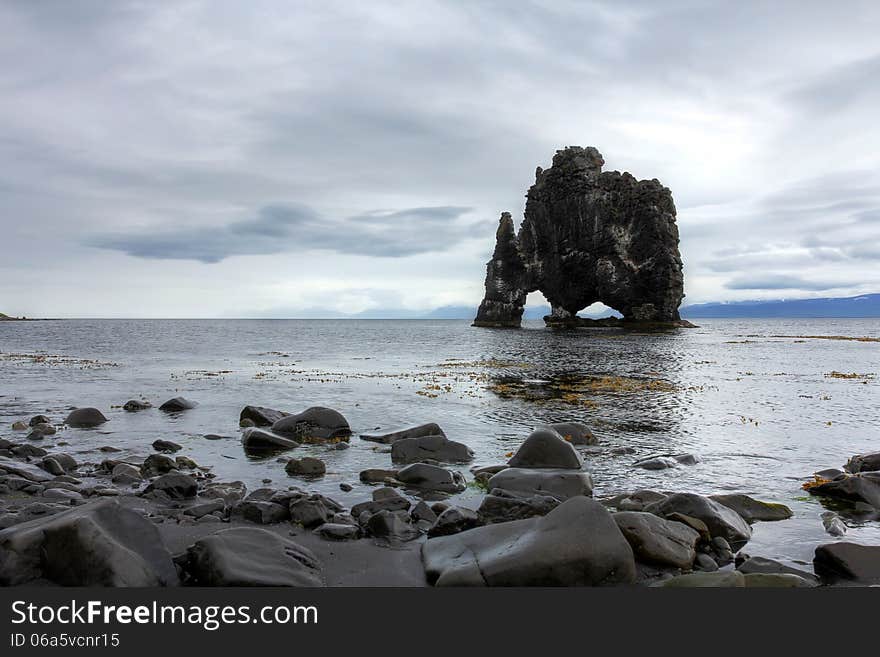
39	419
686	459
861	487
246	556
377	476
703	562
752	510
166	446
230	492
135	405
431	477
833	523
98	544
28	451
416	431
720	520
176	485
576	544
315	424
628	259
157	464
430	448
125	474
423	513
43	429
656	463
619	451
575	433
718	579
23	470
863	463
310	510
545	448
762	565
246	423
263	513
848	561
259	440
261	416
306	467
85	418
454	520
658	541
58	464
178	405
504	506
392	526
19	425
346	488
205	508
561	484
635	501
332	531
185	462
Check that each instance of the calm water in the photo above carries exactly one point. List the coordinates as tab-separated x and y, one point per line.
760	411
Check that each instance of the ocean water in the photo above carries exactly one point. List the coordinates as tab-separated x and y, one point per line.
762	404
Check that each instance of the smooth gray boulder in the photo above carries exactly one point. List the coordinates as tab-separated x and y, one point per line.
382	500
763	565
259	440
135	405
176	485
861	487
848	561
261	416
416	431
504	506
863	463
635	501
391	526
157	464
656	463
752	510
263	513
58	464
166	446
178	405
719	519
97	544
376	475
307	466
246	556
561	484
315	424
576	544
23	470
545	448
85	418
431	477
658	541
575	433
311	510
453	520
430	448
334	531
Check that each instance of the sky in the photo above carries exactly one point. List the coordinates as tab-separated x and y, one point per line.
293	159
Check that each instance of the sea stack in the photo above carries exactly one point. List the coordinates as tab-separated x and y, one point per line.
588	236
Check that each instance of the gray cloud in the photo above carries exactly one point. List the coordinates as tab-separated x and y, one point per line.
284	228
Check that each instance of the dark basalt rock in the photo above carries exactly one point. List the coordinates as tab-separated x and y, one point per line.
178	405
261	416
85	418
259	441
314	425
417	431
588	236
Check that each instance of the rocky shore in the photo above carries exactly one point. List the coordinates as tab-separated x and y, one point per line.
168	521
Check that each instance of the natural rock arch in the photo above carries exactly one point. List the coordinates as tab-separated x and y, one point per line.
587	236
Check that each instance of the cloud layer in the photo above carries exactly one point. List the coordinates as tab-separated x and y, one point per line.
190	149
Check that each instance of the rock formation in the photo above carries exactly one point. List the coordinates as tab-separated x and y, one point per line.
588	236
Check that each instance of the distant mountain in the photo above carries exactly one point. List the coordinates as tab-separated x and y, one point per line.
866	305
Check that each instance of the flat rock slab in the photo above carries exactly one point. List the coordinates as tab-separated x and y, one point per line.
251	557
97	544
545	448
658	541
752	510
177	405
561	484
575	433
430	448
576	544
719	519
431	477
24	470
848	561
862	487
415	431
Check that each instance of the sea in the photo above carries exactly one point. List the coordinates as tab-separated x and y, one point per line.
762	403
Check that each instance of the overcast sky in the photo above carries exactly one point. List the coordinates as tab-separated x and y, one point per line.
277	158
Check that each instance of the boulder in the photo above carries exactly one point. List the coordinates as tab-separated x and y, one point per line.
575	433
423	513
833	523
431	477
135	405
381	502
720	520
454	520
416	431
392	526
656	463
177	405
85	418
762	565
430	448
28	451
376	475
43	430
848	561
97	544
861	487
246	556
176	485
261	416
263	513
752	510
333	531
24	470
39	419
306	467
863	463
310	510
166	446
19	425
635	501
545	448
576	544
157	464
561	484
230	492
658	541
315	424
504	506
258	440
59	464
205	508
